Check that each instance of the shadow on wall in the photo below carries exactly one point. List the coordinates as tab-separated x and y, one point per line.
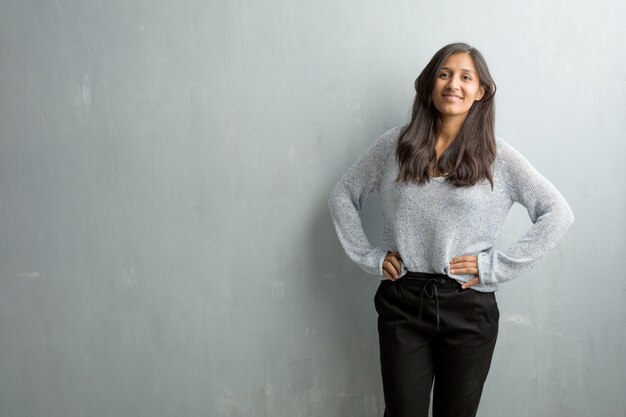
338	309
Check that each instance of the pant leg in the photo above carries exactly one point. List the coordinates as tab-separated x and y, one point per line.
463	353
406	351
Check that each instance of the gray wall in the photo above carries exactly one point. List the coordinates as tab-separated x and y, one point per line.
166	247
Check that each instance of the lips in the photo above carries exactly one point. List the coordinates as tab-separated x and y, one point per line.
451	95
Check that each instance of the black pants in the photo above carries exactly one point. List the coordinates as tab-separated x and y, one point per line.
429	328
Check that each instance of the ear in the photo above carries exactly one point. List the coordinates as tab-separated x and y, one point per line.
481	93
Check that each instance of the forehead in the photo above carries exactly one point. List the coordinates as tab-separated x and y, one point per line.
459	62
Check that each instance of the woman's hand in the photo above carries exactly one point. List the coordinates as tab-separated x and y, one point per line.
391	265
465	265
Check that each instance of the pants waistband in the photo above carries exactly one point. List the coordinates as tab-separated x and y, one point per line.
442	280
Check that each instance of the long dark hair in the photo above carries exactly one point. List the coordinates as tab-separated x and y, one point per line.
470	156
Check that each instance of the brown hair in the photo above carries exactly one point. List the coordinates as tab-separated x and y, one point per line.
469	158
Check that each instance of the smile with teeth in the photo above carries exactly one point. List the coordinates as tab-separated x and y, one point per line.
451	97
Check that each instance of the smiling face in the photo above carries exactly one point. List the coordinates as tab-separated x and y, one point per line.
457	87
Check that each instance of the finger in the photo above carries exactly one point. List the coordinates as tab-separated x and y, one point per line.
386	275
458	265
396	263
390	268
463	267
395	260
466	262
464	271
465	258
471	283
459	258
396	254
463	263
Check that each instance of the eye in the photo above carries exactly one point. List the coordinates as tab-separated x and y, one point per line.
443	73
468	77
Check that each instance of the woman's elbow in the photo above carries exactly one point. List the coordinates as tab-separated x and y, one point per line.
567	216
570	216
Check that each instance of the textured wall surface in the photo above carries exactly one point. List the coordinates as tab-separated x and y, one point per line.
166	247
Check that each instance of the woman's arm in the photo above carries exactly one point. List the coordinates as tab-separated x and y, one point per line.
347	198
548	210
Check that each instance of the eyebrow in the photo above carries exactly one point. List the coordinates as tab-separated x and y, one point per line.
464	69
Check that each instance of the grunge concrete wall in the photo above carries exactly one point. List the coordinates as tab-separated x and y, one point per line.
166	248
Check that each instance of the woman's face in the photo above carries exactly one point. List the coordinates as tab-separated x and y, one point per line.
457	86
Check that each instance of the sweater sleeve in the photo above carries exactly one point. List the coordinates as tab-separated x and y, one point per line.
347	198
548	210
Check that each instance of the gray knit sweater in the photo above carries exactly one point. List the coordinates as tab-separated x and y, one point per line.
432	223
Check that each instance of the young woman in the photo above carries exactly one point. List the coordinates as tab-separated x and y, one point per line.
446	183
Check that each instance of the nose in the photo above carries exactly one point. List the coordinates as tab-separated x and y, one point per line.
453	84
